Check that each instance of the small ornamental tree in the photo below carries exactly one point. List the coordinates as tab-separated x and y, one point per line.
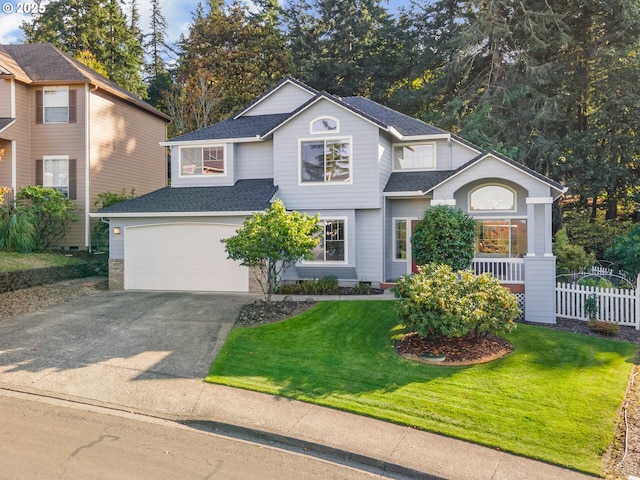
445	235
438	302
271	241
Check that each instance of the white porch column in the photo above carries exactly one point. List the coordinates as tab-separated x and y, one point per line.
531	229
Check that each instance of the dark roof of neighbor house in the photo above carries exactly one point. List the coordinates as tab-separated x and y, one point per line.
43	63
5	122
244	196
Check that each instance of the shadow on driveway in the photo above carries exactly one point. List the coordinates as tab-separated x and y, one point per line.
97	346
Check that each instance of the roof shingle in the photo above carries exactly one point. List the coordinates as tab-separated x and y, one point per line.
244	196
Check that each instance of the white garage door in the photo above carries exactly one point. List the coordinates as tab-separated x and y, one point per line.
181	256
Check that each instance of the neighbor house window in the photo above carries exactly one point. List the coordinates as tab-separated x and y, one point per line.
202	161
55	173
324	125
501	238
400	239
55	104
492	197
325	161
332	246
414	157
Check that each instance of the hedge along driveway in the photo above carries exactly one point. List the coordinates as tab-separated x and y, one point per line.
555	398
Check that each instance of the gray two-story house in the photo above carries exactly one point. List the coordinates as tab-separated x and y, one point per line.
370	172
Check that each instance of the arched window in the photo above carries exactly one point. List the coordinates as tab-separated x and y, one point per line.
324	125
492	197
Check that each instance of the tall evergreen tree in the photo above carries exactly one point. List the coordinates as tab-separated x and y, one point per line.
347	47
229	57
157	76
95	26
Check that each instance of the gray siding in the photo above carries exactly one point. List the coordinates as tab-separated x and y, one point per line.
369	251
462	198
284	100
254	160
362	192
413	208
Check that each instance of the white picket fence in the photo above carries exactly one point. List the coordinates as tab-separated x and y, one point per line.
617	305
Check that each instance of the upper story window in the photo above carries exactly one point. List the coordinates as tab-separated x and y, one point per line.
414	157
325	161
324	125
492	197
202	161
56	104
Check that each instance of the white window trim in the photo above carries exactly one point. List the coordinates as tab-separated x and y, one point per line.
405	144
48	158
394	241
324	132
56	88
325	263
325	138
201	175
498	211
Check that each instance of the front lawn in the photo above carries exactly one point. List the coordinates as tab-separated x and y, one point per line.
11	261
555	398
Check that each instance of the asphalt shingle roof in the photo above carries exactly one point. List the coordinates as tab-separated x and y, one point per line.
5	122
244	196
406	125
415	181
242	127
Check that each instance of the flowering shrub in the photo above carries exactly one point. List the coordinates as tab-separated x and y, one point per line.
438	302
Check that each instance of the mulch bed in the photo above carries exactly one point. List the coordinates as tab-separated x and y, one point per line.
456	351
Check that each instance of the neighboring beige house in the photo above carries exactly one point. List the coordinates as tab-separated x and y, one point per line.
63	125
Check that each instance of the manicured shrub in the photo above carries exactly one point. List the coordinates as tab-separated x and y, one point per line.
438	302
444	235
607	329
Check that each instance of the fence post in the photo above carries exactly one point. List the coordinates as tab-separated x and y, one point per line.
637	319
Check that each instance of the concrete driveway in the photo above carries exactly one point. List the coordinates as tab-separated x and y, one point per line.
146	351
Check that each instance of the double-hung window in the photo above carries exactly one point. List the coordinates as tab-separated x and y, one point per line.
332	245
56	173
202	161
56	104
325	161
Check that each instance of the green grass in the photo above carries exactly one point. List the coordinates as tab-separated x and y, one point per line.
555	398
11	261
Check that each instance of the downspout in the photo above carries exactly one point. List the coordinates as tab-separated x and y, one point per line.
87	165
14	144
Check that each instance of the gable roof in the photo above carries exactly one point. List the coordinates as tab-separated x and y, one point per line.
5	122
258	127
243	197
421	183
42	63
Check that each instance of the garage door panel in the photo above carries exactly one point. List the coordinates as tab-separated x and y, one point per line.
182	257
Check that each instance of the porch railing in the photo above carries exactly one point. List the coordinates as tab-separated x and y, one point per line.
507	270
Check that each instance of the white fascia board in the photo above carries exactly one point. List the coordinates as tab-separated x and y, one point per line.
523	170
329	99
422	138
417	193
209	141
170	214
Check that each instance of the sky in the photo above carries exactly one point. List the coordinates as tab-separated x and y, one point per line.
178	14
